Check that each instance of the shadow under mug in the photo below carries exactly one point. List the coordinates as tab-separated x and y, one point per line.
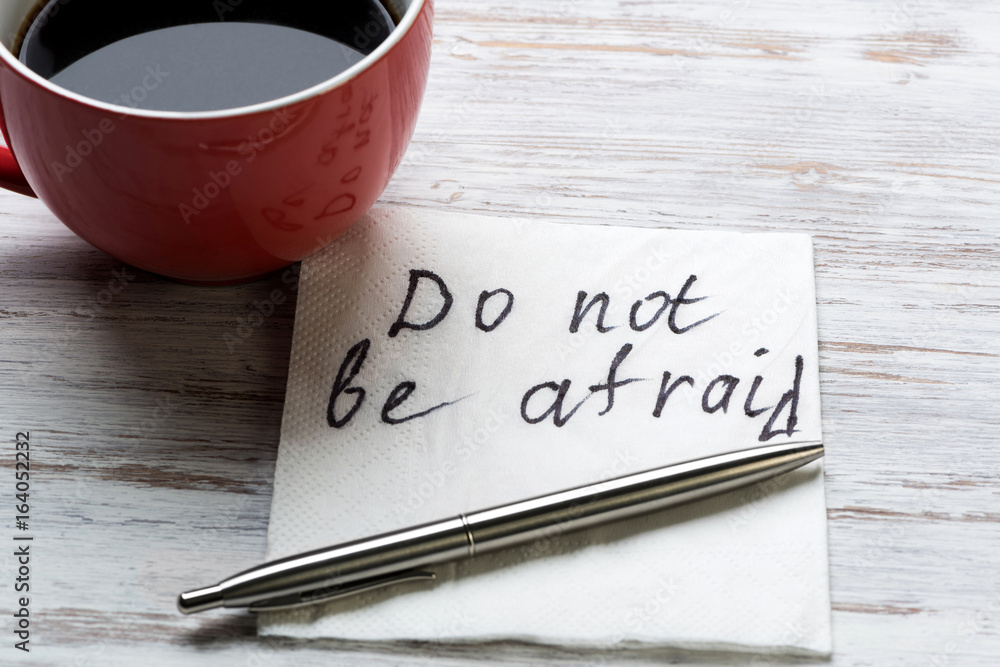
219	196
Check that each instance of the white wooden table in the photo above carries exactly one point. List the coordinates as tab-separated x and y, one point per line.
874	126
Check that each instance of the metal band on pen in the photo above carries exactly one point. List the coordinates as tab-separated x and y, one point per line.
468	534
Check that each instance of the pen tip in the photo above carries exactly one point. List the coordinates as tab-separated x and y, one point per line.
200	600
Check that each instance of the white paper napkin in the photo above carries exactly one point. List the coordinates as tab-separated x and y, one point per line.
747	570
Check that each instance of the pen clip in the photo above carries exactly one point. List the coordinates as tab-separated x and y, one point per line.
296	600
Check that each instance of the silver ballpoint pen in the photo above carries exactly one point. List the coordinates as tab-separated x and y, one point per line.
396	557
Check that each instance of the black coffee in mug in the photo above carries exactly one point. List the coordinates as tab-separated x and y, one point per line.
198	55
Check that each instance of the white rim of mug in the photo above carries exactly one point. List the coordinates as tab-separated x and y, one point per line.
397	34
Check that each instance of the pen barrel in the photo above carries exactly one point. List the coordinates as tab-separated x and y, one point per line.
325	571
393	557
622	498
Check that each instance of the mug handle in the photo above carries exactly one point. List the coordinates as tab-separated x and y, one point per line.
11	176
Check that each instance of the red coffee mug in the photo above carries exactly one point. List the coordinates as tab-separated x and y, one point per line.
220	196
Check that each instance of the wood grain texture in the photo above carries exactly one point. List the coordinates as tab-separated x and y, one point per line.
873	126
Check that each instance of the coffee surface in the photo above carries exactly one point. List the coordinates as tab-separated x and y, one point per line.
189	55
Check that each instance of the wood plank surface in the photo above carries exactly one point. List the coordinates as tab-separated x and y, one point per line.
873	126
